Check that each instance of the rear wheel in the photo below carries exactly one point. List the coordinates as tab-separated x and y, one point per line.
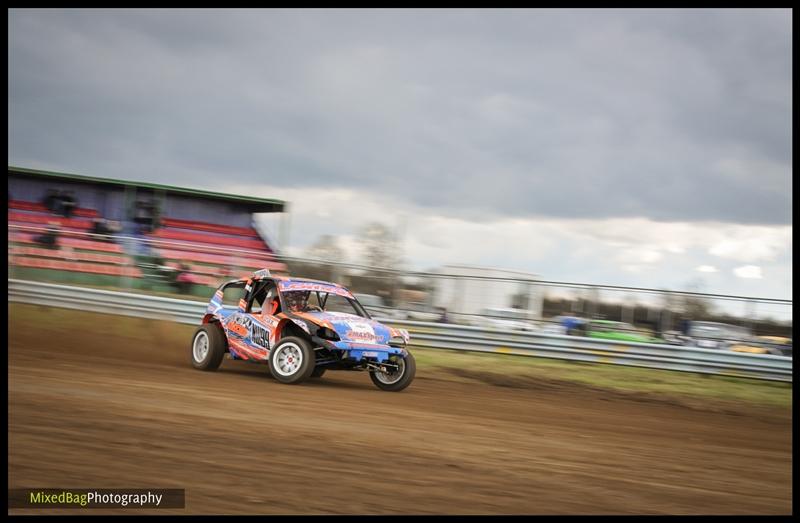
396	379
208	347
291	360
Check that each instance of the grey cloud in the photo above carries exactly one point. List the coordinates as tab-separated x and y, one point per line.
474	113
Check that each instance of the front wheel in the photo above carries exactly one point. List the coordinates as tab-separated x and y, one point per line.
291	360
398	379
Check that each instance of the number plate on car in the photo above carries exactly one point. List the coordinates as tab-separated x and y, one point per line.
370	354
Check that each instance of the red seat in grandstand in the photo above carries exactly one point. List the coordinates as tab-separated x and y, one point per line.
35	218
174	223
67	241
38	207
94	268
204	238
72	255
232	259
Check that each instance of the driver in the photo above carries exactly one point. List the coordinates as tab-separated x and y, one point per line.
296	301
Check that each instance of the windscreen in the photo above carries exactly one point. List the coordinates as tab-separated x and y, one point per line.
335	303
316	301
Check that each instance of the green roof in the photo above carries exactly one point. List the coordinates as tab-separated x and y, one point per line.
254	204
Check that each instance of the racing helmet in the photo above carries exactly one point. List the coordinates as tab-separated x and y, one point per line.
296	301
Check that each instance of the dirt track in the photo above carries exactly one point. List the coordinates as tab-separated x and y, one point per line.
106	414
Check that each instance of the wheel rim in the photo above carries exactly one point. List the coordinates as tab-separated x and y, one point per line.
200	347
390	378
288	359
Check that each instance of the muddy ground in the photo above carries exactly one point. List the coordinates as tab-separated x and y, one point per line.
105	412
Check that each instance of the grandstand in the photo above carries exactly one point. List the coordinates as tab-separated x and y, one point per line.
118	233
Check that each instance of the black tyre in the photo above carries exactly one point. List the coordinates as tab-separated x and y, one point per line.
291	360
208	347
318	372
396	381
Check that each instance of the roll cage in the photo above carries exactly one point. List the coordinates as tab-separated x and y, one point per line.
253	286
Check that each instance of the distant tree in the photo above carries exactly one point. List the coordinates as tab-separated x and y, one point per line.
697	308
379	245
671	301
326	248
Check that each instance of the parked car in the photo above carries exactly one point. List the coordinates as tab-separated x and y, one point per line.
417	311
774	345
617	330
673	338
300	329
565	325
506	319
715	335
778	345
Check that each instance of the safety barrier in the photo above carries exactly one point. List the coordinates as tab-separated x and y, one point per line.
442	336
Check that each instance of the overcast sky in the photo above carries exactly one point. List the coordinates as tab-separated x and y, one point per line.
648	148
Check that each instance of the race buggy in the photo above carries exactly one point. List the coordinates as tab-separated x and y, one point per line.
300	329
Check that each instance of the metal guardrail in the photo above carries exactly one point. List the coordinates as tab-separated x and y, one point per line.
108	302
441	336
649	355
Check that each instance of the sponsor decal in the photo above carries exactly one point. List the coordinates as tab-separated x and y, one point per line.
244	326
398	333
239	324
290	285
303	325
237	328
360	336
337	314
260	335
262	273
312	319
362	332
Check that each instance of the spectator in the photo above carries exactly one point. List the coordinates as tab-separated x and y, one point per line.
443	318
68	204
574	326
105	228
50	237
100	226
51	201
185	279
144	215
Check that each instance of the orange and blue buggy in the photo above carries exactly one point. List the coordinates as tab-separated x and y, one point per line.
300	329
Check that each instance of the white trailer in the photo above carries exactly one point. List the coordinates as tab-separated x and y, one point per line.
469	290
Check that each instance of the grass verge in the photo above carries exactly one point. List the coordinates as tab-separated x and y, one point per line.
614	377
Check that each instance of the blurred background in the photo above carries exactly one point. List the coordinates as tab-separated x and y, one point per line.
184	243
